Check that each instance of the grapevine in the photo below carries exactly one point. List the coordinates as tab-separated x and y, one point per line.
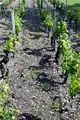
18	24
70	62
11	43
68	59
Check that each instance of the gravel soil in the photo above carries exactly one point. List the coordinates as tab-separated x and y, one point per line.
33	74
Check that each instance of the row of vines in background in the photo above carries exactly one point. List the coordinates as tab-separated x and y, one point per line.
71	11
14	38
65	56
40	3
7	2
7	110
4	5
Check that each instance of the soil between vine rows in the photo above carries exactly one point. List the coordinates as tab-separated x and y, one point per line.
33	72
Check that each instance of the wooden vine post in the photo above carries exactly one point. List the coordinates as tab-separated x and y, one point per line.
66	8
41	4
0	4
13	21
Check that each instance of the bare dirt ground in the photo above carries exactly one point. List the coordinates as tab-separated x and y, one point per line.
32	73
